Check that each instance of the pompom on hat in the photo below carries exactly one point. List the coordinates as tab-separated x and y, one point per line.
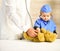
46	8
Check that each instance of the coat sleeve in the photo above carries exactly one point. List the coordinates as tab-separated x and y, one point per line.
13	19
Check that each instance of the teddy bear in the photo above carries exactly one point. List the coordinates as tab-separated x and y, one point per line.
42	36
49	36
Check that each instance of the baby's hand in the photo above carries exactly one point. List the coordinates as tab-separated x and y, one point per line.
37	30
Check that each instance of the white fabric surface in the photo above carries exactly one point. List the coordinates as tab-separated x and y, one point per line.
23	45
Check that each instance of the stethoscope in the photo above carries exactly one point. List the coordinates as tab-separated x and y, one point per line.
28	13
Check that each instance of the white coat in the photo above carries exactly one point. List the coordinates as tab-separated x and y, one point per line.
14	18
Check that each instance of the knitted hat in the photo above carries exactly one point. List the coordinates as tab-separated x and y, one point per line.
46	8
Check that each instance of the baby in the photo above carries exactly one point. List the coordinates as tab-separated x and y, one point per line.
45	20
44	26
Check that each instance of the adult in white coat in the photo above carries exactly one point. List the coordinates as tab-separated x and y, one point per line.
14	19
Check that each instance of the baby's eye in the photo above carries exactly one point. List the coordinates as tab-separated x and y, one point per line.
47	15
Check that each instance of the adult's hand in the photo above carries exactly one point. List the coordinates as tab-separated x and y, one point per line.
31	32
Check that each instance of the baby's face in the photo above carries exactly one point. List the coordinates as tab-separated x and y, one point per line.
46	16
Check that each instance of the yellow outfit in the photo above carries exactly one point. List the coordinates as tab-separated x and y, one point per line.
42	36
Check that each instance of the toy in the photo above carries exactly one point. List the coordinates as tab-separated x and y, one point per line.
50	37
42	36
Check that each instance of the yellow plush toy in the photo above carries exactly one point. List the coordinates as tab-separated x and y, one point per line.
30	38
49	36
42	36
